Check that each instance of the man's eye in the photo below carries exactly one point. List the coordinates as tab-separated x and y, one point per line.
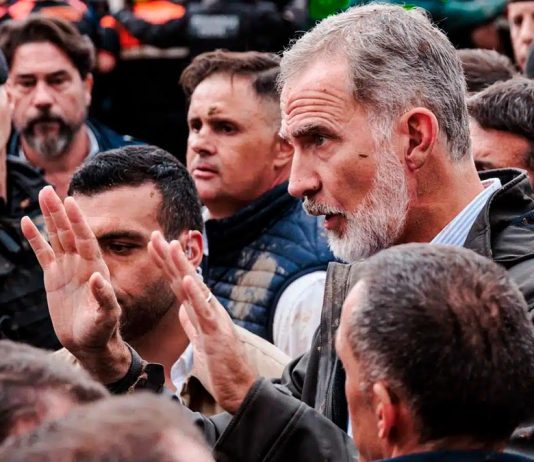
195	125
121	249
26	83
319	140
517	21
226	128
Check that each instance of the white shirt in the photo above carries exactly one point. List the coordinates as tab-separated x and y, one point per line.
298	311
181	369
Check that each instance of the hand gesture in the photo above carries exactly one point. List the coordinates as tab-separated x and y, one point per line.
83	307
207	325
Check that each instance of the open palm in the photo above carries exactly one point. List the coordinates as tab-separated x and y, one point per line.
83	307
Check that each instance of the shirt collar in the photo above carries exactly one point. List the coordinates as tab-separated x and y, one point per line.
456	232
181	369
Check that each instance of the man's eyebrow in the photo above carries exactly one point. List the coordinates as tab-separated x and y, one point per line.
310	130
111	235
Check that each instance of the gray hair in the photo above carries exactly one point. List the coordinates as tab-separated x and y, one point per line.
448	331
29	375
398	60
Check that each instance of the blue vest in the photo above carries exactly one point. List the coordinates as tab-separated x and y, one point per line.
255	254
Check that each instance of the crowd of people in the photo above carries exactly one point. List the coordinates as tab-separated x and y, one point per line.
333	261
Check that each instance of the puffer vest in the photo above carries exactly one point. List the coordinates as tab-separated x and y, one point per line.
257	253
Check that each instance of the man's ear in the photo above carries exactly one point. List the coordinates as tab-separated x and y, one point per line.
88	85
420	128
193	246
283	153
385	410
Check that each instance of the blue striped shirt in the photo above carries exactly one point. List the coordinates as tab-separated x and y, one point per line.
455	233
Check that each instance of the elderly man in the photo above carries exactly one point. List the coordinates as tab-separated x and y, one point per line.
521	19
50	84
267	258
417	309
502	126
382	149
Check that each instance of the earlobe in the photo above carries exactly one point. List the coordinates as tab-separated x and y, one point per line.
88	82
384	410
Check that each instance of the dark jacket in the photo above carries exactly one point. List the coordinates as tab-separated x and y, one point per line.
23	308
460	456
306	410
255	254
106	138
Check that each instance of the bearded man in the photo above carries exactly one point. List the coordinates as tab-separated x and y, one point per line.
50	84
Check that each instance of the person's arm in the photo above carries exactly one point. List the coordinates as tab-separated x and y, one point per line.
298	313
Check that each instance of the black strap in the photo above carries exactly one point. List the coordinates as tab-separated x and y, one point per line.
124	384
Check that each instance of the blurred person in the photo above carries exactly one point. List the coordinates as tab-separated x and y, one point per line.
382	149
483	68
50	84
502	126
266	258
123	196
23	311
37	387
521	20
418	308
136	428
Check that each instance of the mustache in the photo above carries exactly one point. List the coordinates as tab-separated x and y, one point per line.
44	118
316	208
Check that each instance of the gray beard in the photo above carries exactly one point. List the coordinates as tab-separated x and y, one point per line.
380	219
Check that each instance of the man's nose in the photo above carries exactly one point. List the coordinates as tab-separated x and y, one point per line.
42	96
303	178
527	30
200	143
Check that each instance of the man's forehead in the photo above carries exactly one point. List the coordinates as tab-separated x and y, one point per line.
521	7
41	57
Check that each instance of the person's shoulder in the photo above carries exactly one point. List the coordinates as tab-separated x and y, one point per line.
108	138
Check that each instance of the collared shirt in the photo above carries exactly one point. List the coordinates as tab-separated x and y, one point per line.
455	233
181	369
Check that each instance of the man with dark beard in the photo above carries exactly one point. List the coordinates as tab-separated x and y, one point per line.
119	198
50	83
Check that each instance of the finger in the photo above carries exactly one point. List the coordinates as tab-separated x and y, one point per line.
59	217
42	250
205	313
179	260
103	293
49	223
161	247
84	238
158	261
189	321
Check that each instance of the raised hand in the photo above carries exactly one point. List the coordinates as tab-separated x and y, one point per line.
83	307
207	325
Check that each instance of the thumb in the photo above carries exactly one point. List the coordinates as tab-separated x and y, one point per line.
103	293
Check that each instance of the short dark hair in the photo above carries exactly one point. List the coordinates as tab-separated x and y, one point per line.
27	377
135	428
135	165
449	331
59	32
483	68
262	68
507	106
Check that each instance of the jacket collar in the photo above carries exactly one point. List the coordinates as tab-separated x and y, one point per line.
461	456
248	223
495	233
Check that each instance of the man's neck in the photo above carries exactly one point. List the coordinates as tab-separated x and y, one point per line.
164	344
441	197
3	174
76	153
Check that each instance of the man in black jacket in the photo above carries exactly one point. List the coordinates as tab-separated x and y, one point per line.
382	149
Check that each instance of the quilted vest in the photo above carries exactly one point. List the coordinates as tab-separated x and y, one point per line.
257	253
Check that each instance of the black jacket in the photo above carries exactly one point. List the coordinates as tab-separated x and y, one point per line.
303	417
